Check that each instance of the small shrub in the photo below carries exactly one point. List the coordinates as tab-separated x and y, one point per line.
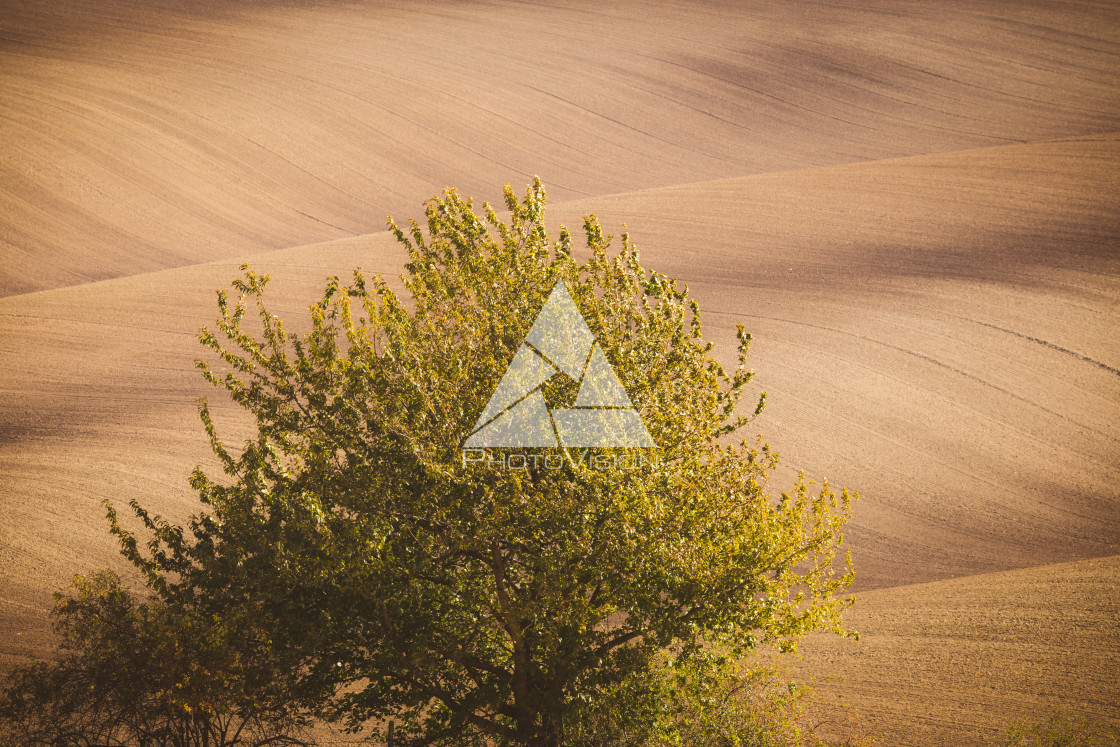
1060	729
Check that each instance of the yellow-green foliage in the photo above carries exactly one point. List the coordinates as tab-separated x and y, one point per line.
140	671
488	606
1059	729
716	700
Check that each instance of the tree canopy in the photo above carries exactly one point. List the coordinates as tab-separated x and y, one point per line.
471	602
142	673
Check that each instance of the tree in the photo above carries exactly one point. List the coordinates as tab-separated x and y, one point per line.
144	674
716	700
475	604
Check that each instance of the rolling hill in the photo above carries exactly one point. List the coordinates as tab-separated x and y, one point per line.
914	209
143	135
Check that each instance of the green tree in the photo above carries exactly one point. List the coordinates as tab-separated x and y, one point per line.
476	605
144	674
716	700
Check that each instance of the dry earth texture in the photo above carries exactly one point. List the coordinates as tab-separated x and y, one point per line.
914	208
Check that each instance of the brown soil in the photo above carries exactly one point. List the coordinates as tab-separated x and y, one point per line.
916	212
